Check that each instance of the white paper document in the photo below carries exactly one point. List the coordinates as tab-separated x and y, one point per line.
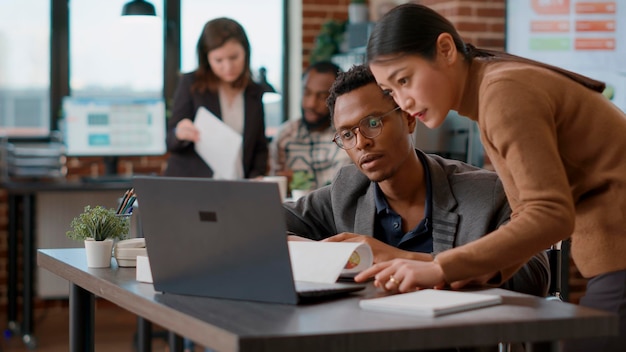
143	272
430	303
317	261
219	146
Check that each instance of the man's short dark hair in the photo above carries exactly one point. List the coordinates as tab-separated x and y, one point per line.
323	67
356	77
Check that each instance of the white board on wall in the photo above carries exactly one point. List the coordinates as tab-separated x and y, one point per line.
584	36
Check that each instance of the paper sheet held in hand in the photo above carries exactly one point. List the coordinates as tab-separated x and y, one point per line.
430	303
219	146
317	261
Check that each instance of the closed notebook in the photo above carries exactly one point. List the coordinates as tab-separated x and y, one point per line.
430	303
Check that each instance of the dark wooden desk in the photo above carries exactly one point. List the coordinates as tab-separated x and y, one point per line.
337	325
21	208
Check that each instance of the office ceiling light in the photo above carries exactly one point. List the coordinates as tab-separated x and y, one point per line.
138	8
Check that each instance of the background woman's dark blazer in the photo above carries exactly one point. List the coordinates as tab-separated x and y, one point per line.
184	161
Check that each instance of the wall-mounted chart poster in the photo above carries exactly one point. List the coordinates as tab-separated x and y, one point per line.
584	36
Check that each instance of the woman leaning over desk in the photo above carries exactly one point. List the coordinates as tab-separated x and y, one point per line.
223	84
556	142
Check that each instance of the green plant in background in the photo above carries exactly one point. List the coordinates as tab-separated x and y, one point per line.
301	180
328	41
609	92
98	223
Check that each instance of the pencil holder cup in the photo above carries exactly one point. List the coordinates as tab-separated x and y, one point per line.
127	219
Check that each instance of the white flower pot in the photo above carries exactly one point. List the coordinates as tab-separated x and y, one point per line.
98	253
299	193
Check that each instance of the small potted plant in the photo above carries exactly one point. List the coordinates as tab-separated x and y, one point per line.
98	227
301	184
329	41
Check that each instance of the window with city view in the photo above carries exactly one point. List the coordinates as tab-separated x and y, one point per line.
25	68
114	55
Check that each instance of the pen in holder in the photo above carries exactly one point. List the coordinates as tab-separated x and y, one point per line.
126	204
125	208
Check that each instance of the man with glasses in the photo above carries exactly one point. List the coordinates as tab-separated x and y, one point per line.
402	202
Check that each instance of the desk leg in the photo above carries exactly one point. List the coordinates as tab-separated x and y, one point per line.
176	342
554	346
144	335
81	320
28	265
12	265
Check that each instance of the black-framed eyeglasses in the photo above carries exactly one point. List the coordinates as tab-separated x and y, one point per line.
369	127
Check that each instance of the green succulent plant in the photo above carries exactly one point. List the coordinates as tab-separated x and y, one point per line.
328	40
99	223
301	179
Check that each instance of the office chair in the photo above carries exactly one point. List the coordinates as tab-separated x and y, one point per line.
558	258
555	257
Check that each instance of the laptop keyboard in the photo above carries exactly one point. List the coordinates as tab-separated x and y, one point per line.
316	289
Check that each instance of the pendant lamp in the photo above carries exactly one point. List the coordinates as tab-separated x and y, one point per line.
138	8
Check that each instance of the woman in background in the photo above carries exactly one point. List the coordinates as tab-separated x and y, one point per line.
556	142
223	84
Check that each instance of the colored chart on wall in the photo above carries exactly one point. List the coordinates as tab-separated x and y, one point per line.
588	37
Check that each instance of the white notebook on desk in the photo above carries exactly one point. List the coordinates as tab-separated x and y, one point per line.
430	303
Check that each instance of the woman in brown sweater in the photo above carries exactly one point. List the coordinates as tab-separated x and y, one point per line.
556	142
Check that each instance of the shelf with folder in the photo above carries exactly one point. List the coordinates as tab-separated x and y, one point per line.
36	159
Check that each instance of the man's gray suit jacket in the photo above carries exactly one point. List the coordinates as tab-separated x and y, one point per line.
468	202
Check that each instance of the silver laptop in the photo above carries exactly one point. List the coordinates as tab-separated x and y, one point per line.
221	239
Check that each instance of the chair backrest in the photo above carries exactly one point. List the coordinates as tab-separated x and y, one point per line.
558	257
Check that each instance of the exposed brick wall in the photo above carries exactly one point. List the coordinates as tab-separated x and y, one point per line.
480	22
314	14
93	166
